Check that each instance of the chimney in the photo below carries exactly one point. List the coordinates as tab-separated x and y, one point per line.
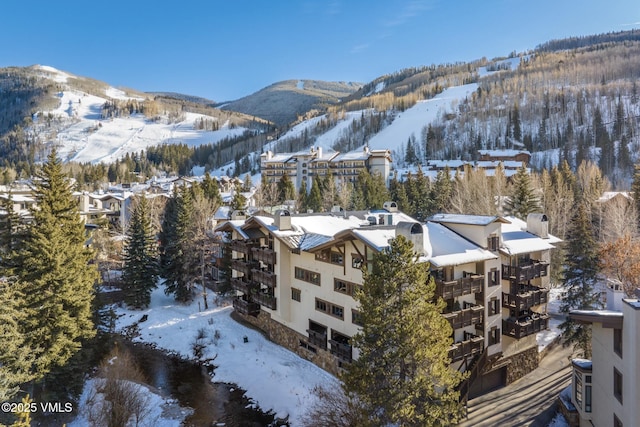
319	152
414	233
390	206
238	214
282	219
538	224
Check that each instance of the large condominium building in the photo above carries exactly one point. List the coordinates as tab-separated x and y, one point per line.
606	389
305	165
295	277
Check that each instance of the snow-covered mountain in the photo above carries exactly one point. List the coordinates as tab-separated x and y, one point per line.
80	132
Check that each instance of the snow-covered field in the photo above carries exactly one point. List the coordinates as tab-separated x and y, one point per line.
272	376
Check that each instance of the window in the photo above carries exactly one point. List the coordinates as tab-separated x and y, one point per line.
494	336
577	392
617	342
493	243
494	279
356	261
307	276
617	384
616	421
329	308
332	256
494	306
337	311
295	294
587	398
356	317
345	287
322	305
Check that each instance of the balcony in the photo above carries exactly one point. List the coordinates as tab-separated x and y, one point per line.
522	328
241	266
265	277
265	299
470	347
245	307
266	255
531	297
342	350
526	272
238	284
467	317
318	339
241	246
456	288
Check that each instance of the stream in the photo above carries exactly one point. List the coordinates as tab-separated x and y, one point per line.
214	404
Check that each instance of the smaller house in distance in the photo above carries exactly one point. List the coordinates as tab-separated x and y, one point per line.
520	156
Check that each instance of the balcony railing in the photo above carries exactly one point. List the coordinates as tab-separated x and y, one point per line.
525	300
522	328
267	300
456	288
241	246
341	350
268	256
265	277
467	317
238	284
241	266
245	307
466	348
318	339
525	272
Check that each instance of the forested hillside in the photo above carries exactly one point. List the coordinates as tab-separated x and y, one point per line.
574	99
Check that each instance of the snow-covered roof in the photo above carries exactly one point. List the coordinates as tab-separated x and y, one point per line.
517	240
467	219
504	153
582	363
351	155
449	248
608	195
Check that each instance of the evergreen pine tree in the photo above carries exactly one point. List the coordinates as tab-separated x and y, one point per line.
580	272
402	375
57	279
211	189
140	258
314	201
185	258
441	191
522	200
238	201
303	196
286	189
15	357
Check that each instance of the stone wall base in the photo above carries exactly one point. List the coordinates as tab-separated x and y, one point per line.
292	340
521	364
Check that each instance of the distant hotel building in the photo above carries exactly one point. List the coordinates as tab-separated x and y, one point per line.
305	165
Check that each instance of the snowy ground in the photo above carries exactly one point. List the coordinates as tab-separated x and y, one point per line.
160	412
545	338
272	376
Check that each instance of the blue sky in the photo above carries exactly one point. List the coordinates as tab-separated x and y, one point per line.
224	50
